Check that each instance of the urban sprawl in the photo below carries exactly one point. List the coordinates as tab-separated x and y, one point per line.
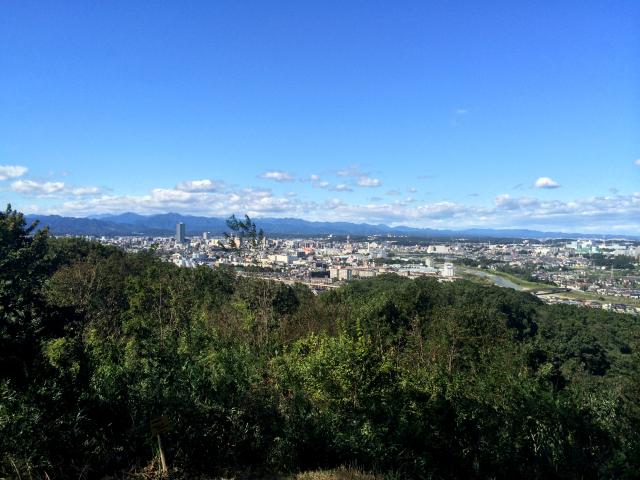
594	273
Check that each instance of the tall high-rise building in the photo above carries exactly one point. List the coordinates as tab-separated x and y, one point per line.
180	232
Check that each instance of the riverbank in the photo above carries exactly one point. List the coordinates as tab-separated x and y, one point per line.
506	280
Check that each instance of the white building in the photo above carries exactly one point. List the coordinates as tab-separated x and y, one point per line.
439	249
448	271
340	274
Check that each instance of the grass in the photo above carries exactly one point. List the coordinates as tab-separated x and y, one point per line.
152	472
337	474
524	283
468	273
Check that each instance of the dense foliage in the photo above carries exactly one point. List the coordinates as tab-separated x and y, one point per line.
413	377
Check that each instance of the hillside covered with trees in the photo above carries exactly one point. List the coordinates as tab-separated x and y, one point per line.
414	378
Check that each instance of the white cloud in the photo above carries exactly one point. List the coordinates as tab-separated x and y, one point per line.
278	176
51	189
255	202
204	185
362	179
546	182
610	213
12	171
170	195
503	200
316	182
598	214
31	187
84	191
341	187
366	181
637	162
350	171
506	202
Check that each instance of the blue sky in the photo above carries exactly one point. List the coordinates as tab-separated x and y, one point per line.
439	114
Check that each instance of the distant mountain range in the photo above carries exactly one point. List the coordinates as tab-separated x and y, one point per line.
165	224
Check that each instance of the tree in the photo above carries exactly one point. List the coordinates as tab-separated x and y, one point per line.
24	267
241	230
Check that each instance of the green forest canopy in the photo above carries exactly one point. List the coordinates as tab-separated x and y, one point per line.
414	377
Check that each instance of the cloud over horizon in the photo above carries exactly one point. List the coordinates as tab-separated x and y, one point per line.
614	212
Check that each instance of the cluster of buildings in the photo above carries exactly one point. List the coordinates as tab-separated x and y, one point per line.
327	262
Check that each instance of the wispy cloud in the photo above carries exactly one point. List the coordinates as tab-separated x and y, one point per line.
84	191
52	189
32	187
506	202
12	171
350	171
317	182
457	116
362	179
367	181
277	175
204	185
341	187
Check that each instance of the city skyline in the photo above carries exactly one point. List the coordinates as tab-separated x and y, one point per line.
494	116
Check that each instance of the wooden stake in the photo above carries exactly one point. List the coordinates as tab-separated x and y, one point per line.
163	460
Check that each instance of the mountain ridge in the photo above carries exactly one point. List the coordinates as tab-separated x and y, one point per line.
130	223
